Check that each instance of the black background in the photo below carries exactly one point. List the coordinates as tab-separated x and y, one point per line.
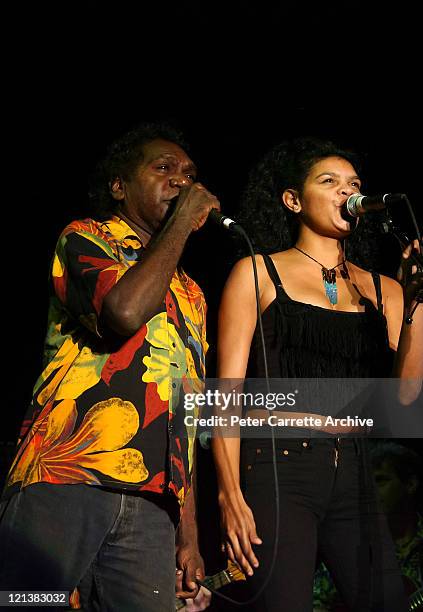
236	76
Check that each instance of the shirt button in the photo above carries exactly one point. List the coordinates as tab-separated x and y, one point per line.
285	452
258	451
305	444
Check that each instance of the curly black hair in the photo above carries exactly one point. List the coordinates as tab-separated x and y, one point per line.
273	227
122	158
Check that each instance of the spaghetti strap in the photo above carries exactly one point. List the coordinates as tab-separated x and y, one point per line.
274	276
271	269
377	284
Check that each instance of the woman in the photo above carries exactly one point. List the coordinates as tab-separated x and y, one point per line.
323	316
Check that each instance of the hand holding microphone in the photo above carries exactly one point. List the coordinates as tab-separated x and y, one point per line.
195	203
205	199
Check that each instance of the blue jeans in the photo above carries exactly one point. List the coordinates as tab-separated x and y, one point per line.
55	536
328	509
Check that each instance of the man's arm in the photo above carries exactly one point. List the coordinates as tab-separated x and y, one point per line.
190	565
137	295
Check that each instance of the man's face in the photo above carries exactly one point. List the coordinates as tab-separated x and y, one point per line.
393	493
156	183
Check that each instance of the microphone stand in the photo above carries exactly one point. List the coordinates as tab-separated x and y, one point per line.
389	227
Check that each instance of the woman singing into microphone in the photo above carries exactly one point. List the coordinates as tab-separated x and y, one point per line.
323	317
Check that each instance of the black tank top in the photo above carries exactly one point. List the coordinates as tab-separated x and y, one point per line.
307	341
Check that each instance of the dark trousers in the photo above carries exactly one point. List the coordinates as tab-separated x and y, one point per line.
326	510
54	536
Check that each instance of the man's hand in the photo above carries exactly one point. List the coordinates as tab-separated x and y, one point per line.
201	602
195	202
190	568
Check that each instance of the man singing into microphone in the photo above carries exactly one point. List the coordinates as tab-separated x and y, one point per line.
102	468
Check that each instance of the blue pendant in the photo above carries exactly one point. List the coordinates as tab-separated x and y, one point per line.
331	292
329	281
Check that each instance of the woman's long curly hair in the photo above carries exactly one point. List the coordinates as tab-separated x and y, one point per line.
122	158
270	225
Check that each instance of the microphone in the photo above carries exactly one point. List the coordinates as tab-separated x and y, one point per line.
223	221
358	204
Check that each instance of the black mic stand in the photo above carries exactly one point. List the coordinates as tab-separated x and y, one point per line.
388	227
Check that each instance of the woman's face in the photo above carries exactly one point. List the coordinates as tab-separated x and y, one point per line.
328	185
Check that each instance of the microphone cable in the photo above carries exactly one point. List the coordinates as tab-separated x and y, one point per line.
240	231
413	218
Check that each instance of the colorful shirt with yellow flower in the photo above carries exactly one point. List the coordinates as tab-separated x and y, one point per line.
108	410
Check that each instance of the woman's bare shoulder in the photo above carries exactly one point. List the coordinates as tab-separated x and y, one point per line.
389	285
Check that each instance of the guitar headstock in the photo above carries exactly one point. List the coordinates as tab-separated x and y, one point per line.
234	572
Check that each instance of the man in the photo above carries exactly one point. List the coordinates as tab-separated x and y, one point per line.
397	471
103	459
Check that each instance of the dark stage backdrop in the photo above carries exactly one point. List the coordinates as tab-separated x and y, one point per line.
237	78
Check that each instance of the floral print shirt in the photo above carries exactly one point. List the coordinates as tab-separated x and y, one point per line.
108	410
